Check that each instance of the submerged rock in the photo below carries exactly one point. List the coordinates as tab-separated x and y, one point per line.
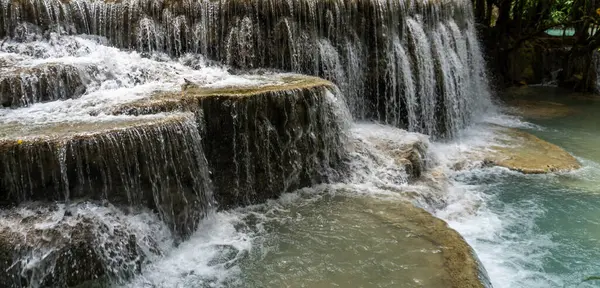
526	153
341	239
23	86
461	268
152	161
540	109
261	141
41	247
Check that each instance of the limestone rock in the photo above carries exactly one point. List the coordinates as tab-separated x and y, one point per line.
151	161
23	86
42	247
526	153
261	141
461	267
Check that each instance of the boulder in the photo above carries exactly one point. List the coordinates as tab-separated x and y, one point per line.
392	147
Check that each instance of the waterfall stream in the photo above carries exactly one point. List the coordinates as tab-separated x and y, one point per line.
365	48
138	127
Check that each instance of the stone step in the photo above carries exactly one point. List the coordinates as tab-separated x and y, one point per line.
261	141
154	161
23	86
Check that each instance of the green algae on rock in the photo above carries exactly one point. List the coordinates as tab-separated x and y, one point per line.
261	141
526	153
154	161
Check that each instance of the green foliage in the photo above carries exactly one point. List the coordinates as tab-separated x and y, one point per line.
561	11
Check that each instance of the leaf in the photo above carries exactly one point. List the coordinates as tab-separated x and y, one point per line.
591	278
598	11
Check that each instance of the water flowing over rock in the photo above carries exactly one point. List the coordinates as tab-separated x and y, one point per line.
23	86
41	247
263	141
94	127
156	162
412	64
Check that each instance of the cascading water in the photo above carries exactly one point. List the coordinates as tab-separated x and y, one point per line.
365	47
410	64
82	146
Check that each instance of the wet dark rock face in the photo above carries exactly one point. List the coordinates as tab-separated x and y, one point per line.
261	142
157	163
42	247
24	86
270	144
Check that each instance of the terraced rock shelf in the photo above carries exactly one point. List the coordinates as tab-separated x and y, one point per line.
131	131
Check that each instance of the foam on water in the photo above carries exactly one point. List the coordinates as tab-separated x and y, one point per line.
112	76
202	259
505	232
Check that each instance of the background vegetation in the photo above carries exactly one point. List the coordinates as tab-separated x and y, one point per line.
514	34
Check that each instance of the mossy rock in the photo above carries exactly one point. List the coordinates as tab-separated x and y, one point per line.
154	161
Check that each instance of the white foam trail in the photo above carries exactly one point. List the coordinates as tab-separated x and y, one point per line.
207	258
504	235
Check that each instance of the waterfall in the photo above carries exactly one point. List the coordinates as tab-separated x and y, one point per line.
154	162
116	109
411	64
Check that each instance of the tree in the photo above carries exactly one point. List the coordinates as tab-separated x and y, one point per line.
507	24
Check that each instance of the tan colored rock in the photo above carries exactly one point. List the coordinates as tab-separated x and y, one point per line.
526	153
190	94
461	267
